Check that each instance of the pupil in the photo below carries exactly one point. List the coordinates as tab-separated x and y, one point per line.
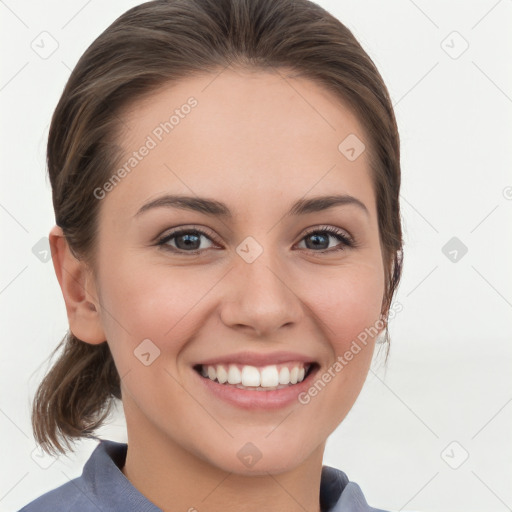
316	238
189	239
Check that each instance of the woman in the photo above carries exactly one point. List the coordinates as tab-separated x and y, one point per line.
225	180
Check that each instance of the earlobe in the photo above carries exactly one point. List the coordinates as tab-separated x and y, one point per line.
78	289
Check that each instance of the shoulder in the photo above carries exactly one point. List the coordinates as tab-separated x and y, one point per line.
91	490
69	496
102	486
338	493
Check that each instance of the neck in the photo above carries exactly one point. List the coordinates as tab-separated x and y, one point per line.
174	478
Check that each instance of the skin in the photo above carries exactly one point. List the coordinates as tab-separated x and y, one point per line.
258	144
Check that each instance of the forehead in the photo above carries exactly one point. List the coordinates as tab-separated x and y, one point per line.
245	135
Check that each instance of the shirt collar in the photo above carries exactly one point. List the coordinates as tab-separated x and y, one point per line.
102	474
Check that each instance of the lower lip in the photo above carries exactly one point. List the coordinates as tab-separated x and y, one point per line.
247	399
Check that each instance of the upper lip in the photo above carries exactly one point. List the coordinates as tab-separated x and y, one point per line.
257	359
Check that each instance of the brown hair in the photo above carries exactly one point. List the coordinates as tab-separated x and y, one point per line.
160	42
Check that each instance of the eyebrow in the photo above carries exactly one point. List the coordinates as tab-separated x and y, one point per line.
219	209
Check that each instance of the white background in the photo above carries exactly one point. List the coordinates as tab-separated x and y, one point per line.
448	376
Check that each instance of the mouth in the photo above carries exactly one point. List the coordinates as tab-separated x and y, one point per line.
257	378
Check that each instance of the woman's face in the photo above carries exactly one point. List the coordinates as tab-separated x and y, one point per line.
264	279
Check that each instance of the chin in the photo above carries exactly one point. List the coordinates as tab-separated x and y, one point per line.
260	457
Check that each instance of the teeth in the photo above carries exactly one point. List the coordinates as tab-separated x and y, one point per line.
222	374
284	375
271	376
234	375
250	376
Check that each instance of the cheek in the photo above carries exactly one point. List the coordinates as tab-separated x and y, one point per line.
347	302
347	307
151	303
143	301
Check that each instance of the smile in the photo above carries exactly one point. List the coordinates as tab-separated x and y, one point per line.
254	378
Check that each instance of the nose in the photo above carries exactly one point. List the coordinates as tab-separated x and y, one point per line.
260	298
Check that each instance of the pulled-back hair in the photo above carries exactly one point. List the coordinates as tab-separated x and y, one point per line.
158	43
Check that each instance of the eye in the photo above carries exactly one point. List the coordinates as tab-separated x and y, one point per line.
320	239
186	240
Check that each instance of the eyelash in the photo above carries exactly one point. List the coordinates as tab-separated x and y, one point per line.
330	230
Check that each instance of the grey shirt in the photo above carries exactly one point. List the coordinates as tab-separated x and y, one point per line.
102	487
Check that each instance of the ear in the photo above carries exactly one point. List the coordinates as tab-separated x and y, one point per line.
78	289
